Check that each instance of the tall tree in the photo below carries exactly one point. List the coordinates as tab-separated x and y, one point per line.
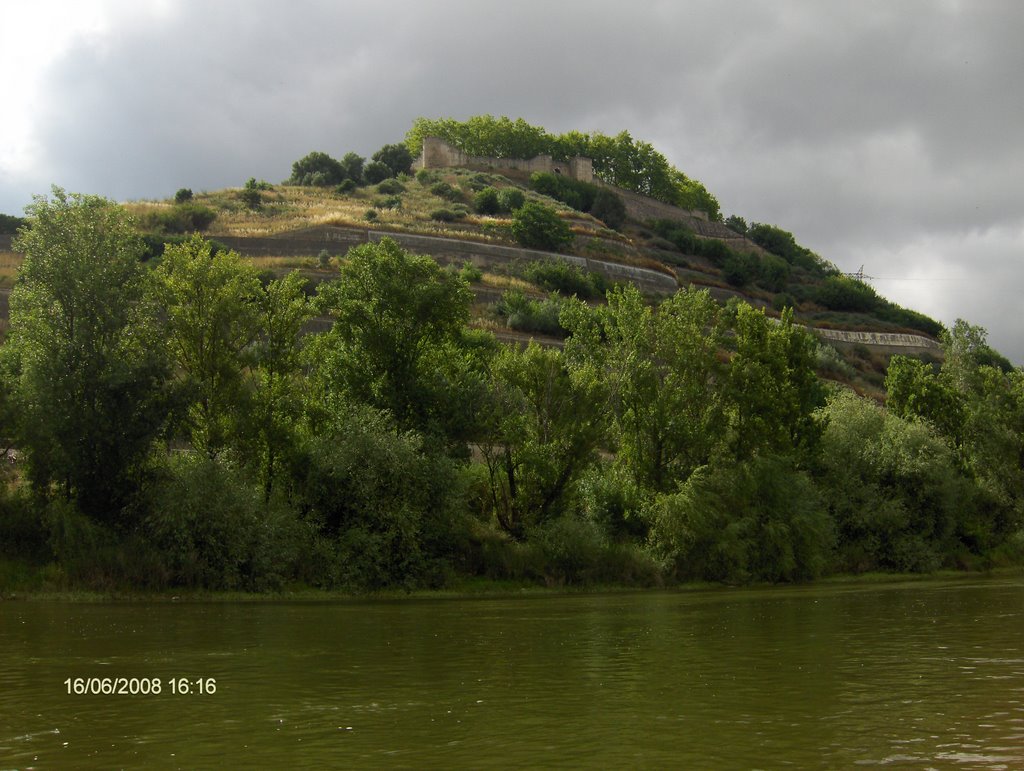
661	374
772	387
211	303
89	372
545	427
398	342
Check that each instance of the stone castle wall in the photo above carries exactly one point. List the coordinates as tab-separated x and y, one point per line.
438	154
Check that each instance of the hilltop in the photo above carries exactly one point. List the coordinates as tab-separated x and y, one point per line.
312	218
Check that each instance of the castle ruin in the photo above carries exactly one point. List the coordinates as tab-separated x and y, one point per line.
438	154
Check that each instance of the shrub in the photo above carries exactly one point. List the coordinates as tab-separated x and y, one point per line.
214	530
784	300
387	504
511	198
536	226
347	186
609	208
446	215
565	278
570	549
250	194
183	195
183	218
426	177
773	273
736	224
739	268
486	201
839	293
761	520
446	191
526	315
713	249
391	187
470	273
370	215
375	172
390	202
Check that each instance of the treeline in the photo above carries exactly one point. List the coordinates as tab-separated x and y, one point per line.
175	427
620	160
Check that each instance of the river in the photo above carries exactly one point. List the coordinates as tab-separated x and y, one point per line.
838	676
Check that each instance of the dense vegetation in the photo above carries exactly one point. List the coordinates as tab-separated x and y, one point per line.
175	427
620	160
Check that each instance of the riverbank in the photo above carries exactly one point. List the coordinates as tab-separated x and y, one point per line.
467	588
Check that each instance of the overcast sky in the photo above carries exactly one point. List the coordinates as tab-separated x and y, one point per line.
888	134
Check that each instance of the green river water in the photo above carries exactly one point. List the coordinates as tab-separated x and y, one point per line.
916	675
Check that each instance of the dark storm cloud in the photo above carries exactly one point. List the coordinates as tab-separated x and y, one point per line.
880	133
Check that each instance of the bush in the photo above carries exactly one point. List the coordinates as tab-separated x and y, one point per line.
839	293
609	208
347	186
761	520
426	177
486	201
251	195
375	172
536	226
446	191
184	195
214	531
388	505
739	268
511	198
390	202
570	549
470	273
566	279
183	218
391	187
525	315
370	215
446	215
773	273
784	300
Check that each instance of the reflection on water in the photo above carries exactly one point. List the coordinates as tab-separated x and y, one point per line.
912	675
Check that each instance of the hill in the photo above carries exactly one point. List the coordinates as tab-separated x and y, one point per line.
457	215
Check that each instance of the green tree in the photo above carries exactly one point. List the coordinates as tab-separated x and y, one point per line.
891	485
773	390
317	169
397	158
661	374
211	303
283	311
375	172
398	339
352	166
88	370
536	226
544	428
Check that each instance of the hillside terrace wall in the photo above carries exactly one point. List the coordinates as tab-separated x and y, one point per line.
338	240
